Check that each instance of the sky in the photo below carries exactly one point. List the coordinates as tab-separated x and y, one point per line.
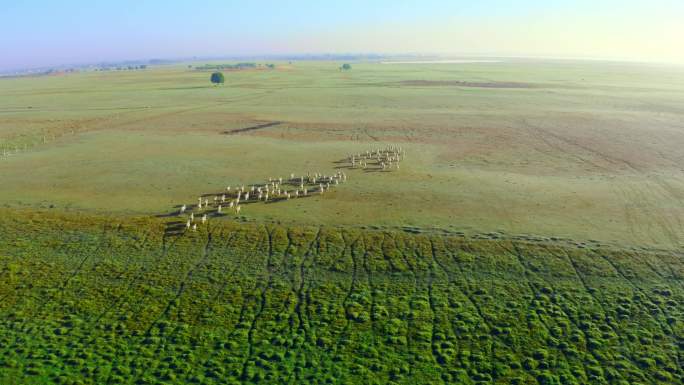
49	33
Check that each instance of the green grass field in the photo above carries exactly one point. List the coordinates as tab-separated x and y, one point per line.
533	235
92	300
577	150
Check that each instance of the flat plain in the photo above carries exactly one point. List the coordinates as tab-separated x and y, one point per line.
534	233
577	150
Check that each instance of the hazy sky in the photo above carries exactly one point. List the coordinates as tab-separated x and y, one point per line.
40	33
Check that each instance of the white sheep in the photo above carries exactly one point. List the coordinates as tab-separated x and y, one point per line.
238	209
182	209
194	227
204	218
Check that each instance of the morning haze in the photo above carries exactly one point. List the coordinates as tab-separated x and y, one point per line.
79	32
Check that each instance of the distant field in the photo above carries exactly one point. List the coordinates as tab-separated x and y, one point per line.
564	149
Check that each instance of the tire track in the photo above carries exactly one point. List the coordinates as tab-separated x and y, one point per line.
262	303
308	255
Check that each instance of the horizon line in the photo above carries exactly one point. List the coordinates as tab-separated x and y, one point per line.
313	56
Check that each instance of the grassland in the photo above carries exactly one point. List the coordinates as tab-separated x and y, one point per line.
533	235
576	150
87	299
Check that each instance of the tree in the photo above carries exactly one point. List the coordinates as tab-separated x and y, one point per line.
217	78
345	67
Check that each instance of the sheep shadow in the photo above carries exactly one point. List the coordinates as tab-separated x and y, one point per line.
174	228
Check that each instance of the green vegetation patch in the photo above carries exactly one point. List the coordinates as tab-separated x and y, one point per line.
105	300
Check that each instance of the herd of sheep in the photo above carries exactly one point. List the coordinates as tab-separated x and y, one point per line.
279	189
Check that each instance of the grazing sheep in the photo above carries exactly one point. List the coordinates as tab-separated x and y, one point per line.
182	209
194	227
238	209
188	224
204	218
218	210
